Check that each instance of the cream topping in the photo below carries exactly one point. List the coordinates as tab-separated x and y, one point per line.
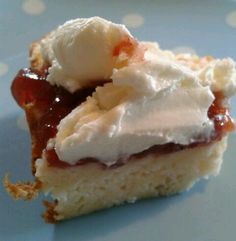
220	75
81	51
150	102
153	97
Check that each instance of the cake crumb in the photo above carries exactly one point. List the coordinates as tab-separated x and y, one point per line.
22	190
50	213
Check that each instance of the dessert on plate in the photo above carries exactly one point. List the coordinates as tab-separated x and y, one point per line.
113	119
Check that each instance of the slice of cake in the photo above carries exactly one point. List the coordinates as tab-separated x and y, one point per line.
114	120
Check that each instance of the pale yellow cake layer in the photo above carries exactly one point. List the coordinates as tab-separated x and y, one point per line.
86	188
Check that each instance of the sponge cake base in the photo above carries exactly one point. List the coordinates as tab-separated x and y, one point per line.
86	188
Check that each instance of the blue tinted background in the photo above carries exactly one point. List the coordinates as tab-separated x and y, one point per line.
206	213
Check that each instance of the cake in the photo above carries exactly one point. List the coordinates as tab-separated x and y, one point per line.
114	120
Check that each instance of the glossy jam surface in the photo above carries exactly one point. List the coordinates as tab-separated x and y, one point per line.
220	115
45	105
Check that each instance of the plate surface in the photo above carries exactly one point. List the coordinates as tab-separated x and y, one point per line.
205	213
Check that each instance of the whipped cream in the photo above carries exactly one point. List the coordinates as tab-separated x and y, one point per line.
150	102
80	51
153	96
220	75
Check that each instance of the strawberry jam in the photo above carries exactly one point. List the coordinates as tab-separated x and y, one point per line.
45	105
220	115
127	46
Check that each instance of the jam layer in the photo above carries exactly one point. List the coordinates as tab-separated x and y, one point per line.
45	105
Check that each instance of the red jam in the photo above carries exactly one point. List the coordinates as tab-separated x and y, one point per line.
45	105
222	121
127	46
